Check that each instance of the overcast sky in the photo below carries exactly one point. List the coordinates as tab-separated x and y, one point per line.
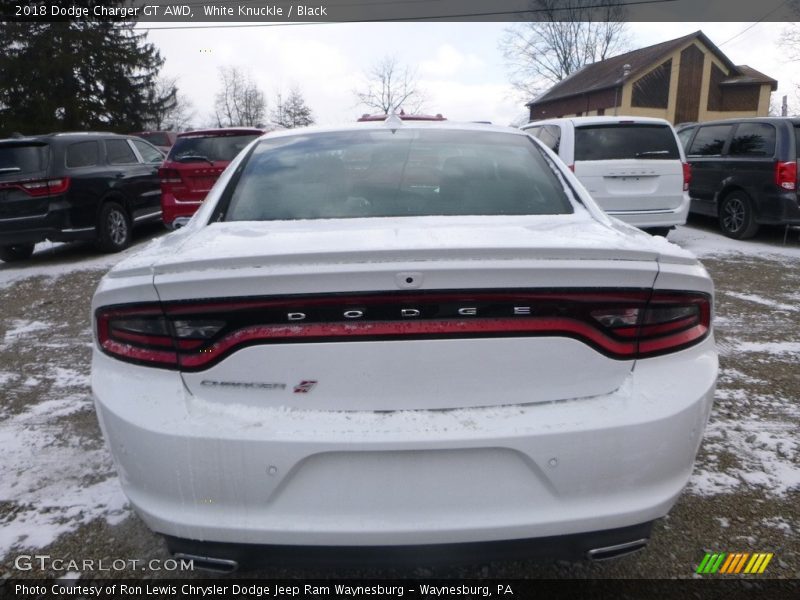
459	65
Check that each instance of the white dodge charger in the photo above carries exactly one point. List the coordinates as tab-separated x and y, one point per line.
405	335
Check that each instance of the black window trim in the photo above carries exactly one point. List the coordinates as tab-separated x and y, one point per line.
75	143
725	146
132	141
738	124
115	139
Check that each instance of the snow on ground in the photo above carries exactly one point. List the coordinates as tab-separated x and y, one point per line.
19	328
704	242
765	453
52	259
58	481
770	347
763	301
42	265
780	524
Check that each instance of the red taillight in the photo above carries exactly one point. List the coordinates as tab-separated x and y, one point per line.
39	188
571	168
137	334
169	175
786	175
622	324
670	322
687	176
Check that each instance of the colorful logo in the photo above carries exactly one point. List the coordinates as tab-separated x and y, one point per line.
731	563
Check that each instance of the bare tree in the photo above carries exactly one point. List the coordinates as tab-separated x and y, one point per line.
240	102
173	115
568	35
389	87
789	43
292	111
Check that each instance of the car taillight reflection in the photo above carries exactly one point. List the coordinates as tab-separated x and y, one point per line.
621	324
786	175
39	188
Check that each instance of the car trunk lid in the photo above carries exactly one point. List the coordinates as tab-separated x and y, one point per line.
398	315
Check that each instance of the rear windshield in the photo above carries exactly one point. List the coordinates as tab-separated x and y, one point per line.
22	158
625	140
378	173
199	149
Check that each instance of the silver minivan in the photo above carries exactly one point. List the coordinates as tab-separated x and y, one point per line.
634	167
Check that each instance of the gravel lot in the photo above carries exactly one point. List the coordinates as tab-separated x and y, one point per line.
59	494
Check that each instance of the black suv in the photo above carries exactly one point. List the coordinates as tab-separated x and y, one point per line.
744	172
75	186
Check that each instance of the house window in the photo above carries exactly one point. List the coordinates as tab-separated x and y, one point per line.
652	89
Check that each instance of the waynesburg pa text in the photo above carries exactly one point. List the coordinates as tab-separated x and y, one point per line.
273	590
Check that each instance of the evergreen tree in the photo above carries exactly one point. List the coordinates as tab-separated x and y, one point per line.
78	75
292	112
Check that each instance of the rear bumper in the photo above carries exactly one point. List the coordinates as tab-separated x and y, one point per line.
778	208
655	218
598	545
59	224
250	475
172	208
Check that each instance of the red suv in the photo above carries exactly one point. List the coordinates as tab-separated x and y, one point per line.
194	164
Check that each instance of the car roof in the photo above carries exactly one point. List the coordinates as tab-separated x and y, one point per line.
222	131
405	117
66	135
398	124
601	120
732	121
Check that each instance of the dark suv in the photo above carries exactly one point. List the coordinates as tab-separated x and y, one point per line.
744	172
75	186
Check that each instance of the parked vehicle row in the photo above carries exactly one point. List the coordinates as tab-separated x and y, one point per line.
634	167
75	186
744	172
98	186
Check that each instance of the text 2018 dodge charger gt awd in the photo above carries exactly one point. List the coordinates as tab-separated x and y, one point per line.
403	334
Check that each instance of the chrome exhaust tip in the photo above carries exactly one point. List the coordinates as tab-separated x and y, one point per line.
209	563
609	552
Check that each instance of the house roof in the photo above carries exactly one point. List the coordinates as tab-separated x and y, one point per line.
749	76
607	73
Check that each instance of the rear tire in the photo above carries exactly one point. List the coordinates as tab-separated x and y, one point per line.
736	218
113	228
16	253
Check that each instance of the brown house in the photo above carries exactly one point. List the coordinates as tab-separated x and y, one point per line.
687	79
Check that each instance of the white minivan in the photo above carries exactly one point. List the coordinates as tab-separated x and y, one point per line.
634	167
